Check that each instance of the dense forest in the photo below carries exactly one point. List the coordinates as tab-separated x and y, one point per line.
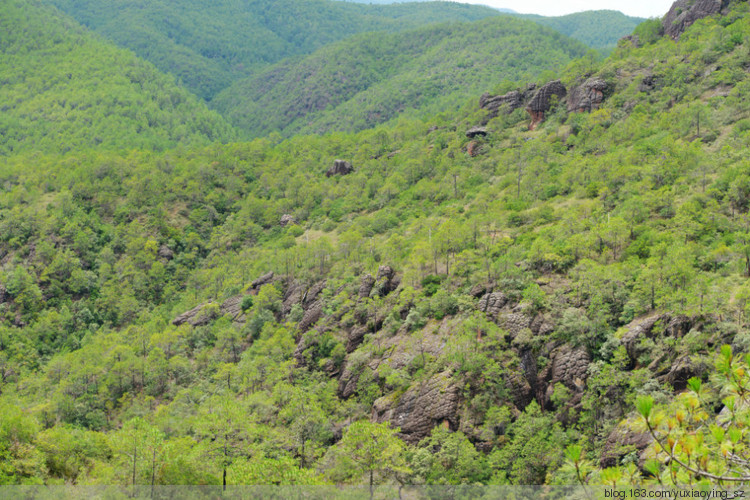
547	284
371	78
207	49
64	89
598	29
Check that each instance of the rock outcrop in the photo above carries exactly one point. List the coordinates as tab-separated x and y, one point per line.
674	326
684	13
474	149
166	253
365	286
682	370
509	102
648	83
633	40
588	96
340	167
623	441
386	280
4	297
263	280
200	315
569	366
422	407
476	131
492	303
286	220
543	100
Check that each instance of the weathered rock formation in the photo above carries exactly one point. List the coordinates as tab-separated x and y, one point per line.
286	220
365	287
543	100
623	441
422	407
475	131
646	328
681	370
569	366
166	253
509	102
202	314
474	149
480	289
3	294
340	167
387	280
633	40
683	13
492	303
588	96
649	83
198	316
263	280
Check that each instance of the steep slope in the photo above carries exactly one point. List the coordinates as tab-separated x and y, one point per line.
258	312
208	46
65	89
599	29
369	79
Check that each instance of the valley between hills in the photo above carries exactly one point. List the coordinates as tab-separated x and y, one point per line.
380	246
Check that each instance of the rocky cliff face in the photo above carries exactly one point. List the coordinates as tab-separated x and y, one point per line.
543	100
422	407
683	13
508	102
588	96
340	167
535	360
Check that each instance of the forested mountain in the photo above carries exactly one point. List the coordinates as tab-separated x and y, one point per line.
64	89
599	29
371	78
207	46
484	296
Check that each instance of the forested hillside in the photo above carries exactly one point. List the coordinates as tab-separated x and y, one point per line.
208	46
64	89
371	78
484	296
599	29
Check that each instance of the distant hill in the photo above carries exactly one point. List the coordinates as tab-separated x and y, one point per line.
385	2
371	78
210	45
599	29
64	88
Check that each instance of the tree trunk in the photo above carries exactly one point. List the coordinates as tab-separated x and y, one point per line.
371	483
153	472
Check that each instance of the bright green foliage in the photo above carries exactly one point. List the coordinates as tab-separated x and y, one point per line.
599	29
370	451
552	247
64	89
447	457
20	461
697	444
207	47
371	78
534	448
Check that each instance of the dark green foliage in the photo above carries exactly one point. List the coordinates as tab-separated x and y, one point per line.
369	79
598	29
547	246
64	89
431	284
208	46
